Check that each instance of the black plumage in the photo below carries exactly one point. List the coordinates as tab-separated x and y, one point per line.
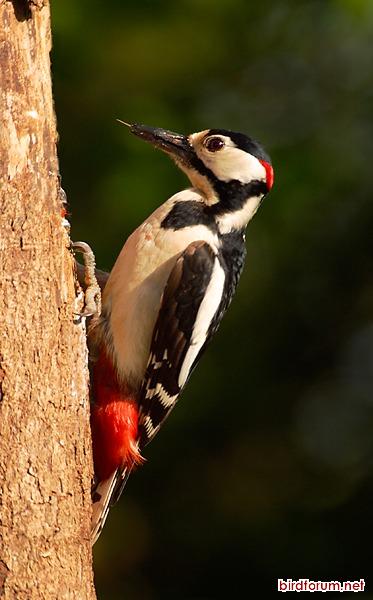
184	292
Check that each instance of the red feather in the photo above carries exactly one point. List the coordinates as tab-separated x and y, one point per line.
114	421
270	175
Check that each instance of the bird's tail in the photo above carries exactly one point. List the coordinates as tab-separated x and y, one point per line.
104	495
101	501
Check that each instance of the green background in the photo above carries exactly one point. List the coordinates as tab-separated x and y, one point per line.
264	470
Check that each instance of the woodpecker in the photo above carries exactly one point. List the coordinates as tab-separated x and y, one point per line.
166	295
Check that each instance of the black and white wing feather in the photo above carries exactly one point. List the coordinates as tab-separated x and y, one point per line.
188	316
189	309
197	294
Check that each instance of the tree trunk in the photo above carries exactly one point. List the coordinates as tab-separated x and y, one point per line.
45	452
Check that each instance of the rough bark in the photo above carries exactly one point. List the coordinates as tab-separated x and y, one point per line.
45	453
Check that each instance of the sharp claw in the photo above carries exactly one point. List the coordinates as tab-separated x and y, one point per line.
83	247
83	315
92	294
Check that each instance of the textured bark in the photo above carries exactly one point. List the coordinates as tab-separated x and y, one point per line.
45	453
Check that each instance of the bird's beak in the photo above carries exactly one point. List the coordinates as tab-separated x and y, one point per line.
173	143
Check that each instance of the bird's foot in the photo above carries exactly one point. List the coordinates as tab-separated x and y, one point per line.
92	292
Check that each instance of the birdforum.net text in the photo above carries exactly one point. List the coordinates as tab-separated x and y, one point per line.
307	585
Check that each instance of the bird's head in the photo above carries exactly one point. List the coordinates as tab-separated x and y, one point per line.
226	166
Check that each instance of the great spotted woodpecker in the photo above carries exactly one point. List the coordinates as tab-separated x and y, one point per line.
166	295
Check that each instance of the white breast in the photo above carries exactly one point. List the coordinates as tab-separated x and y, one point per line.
133	292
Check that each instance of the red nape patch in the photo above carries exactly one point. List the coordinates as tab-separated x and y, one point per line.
270	174
114	422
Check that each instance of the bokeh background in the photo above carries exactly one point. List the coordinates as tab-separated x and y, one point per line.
264	470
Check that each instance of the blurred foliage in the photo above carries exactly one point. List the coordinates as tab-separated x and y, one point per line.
265	468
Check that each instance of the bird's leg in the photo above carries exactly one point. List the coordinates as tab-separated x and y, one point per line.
101	276
92	292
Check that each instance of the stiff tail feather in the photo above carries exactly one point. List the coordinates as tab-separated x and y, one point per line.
104	495
101	501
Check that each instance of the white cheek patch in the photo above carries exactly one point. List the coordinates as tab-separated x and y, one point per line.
233	163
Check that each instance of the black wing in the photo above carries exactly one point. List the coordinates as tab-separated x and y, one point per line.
198	292
190	304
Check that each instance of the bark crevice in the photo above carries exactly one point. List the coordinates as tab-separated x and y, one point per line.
22	10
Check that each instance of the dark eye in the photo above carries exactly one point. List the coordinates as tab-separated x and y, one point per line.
213	144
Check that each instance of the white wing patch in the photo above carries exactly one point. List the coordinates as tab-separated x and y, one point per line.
148	426
207	310
163	396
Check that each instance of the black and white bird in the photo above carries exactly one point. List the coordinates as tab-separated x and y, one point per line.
166	295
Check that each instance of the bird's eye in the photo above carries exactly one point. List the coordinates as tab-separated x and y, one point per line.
213	144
